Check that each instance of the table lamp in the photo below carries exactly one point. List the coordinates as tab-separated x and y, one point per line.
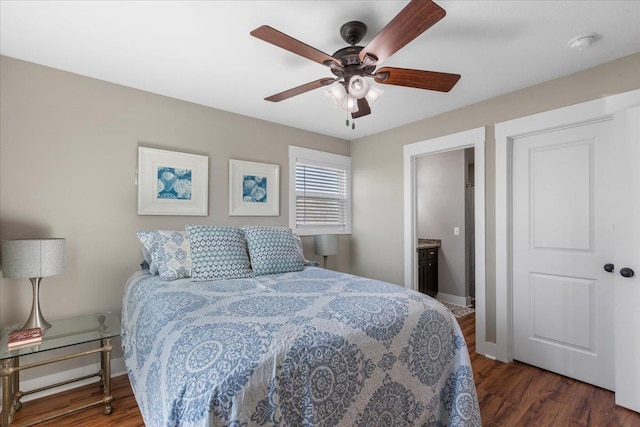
33	259
325	245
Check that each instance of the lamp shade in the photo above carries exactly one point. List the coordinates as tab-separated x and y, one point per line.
373	94
336	94
350	104
358	87
325	244
30	258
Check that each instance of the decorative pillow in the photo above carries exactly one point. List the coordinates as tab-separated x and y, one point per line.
218	252
151	266
273	250
170	252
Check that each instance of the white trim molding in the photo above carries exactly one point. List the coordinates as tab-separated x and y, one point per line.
474	138
506	134
321	159
453	299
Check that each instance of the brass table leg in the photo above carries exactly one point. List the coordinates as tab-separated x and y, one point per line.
101	371
7	391
106	372
16	385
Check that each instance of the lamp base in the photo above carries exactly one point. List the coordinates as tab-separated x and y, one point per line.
36	319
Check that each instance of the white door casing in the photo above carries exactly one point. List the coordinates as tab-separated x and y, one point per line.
626	323
471	138
562	236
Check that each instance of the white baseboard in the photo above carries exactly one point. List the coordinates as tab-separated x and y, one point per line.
117	368
454	299
488	349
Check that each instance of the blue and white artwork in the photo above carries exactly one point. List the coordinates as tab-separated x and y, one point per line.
174	183
254	189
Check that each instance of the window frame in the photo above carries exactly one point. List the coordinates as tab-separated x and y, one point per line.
320	157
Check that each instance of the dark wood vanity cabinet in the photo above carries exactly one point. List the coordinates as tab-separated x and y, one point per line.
428	271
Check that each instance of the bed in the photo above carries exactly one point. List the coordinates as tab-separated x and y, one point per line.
311	347
227	327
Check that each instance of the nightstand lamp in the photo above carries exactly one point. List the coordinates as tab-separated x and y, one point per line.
325	245
33	259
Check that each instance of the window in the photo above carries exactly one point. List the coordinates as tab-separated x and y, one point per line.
319	192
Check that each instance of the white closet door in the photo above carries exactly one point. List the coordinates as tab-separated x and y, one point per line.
563	234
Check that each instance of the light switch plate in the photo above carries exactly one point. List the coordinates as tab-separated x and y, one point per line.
456	231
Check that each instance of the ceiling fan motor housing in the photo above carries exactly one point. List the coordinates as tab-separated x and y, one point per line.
351	32
351	63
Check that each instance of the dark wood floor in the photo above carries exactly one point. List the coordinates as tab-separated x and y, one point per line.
516	394
511	395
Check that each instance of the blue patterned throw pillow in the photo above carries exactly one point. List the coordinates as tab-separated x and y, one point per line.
169	251
273	250
218	252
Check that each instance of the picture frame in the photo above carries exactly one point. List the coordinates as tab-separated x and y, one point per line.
172	183
254	189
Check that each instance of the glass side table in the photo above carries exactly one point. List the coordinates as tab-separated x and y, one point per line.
98	328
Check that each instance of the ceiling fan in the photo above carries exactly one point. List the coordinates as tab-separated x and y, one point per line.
353	64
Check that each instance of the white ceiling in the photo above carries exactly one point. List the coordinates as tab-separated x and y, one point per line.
201	51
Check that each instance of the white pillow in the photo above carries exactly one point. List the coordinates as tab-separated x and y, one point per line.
170	252
153	269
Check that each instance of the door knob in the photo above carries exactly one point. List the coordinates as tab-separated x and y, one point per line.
608	268
626	272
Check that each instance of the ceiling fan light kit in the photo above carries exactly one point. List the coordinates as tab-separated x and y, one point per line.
354	65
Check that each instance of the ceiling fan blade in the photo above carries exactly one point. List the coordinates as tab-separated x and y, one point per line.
363	109
286	42
300	89
412	21
430	80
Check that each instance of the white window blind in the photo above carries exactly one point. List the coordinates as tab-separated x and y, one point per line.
322	192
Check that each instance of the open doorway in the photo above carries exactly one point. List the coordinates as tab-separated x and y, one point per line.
474	138
445	224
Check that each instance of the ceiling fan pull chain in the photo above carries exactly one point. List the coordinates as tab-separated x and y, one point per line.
353	123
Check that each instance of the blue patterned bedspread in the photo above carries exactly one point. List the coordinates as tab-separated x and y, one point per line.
315	347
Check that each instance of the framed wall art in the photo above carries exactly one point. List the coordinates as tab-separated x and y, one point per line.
253	189
172	183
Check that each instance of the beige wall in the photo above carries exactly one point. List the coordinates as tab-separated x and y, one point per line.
68	147
378	165
68	152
